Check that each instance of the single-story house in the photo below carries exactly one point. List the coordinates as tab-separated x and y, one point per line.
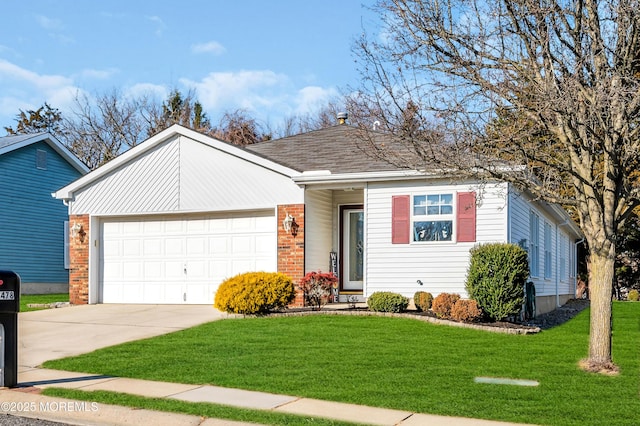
32	224
170	219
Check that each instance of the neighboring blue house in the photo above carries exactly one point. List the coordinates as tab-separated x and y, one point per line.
34	225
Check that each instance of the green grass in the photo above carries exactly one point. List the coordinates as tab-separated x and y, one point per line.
193	408
26	299
396	363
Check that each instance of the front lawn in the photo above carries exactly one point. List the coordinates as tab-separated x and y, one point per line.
396	363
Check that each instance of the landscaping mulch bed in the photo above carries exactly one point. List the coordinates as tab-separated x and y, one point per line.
542	322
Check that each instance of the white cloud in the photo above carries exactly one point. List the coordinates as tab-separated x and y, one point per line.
49	23
147	89
160	25
250	90
209	47
309	99
98	74
25	89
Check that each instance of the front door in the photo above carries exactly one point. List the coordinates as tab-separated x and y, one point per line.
352	249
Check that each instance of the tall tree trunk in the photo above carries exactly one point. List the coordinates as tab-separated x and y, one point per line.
601	274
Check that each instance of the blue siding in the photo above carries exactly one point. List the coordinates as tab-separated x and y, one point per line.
31	220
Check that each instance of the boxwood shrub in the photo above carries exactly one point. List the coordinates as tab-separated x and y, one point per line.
496	279
422	300
466	310
255	293
386	301
443	303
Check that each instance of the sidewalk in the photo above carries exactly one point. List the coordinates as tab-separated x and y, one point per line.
35	405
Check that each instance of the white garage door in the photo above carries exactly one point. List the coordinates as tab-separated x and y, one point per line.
182	260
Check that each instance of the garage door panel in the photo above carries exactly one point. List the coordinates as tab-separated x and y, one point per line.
169	260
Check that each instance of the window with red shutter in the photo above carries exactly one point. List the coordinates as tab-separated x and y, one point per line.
466	217
400	219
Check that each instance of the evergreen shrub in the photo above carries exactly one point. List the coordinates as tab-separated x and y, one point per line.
466	310
386	301
443	303
496	278
422	300
255	293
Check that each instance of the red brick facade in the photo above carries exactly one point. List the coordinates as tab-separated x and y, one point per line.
291	247
79	260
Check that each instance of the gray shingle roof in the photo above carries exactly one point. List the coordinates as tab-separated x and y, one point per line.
10	140
339	149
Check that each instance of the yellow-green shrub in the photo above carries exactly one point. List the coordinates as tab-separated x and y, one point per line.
423	300
633	295
255	293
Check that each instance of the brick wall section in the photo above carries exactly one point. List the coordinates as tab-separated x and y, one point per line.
291	248
79	262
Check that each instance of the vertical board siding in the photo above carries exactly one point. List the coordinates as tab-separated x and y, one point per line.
185	175
149	184
441	266
318	222
32	221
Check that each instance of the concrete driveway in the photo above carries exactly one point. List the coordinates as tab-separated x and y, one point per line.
58	333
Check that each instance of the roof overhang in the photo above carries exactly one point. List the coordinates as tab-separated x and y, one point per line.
325	177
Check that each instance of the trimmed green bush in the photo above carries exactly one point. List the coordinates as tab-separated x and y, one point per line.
633	295
422	300
443	303
255	293
386	301
496	278
466	310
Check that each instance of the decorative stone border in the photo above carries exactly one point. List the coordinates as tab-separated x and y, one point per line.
356	312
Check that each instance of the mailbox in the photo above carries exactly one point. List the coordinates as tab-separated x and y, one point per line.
9	308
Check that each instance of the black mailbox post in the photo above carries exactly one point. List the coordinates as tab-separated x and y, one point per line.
9	308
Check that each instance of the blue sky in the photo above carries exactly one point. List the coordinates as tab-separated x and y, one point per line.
273	58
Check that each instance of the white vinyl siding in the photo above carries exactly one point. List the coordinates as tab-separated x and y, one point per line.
318	229
441	267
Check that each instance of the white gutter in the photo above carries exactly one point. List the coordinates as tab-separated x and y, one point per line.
320	177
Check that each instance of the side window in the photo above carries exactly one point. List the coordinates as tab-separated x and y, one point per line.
534	244
41	159
432	217
547	250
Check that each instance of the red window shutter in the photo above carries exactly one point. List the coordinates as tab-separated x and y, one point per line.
466	217
400	219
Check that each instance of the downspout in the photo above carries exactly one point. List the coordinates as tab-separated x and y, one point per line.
575	265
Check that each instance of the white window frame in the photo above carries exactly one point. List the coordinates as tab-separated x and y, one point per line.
563	257
548	252
534	244
436	216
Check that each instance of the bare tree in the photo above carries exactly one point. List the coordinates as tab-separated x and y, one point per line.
568	68
239	128
97	130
